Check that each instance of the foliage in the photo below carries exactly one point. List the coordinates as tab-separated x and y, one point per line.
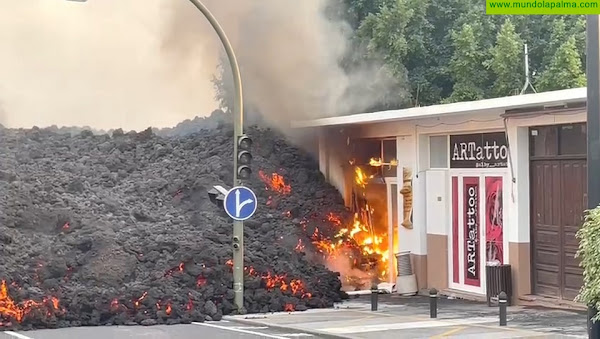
589	252
565	70
467	66
507	61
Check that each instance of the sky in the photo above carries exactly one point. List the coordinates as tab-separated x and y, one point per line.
101	63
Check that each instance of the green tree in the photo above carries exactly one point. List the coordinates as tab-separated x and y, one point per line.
507	61
565	69
558	36
385	37
467	66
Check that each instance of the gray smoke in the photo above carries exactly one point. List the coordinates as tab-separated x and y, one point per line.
289	52
140	63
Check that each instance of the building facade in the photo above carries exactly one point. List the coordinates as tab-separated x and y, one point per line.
495	181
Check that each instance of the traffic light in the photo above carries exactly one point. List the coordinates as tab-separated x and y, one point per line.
217	195
244	158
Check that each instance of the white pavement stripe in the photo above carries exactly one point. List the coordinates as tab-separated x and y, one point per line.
233	329
249	327
17	335
287	335
407	325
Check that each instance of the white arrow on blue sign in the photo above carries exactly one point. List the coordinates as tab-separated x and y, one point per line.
240	203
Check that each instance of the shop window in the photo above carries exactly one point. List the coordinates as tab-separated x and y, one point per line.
389	154
557	140
572	139
438	151
543	141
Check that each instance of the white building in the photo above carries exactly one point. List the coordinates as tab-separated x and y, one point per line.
499	179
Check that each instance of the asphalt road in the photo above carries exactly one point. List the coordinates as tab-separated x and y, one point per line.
221	330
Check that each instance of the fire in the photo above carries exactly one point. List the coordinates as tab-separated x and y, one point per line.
288	308
10	309
275	183
168	310
361	178
361	235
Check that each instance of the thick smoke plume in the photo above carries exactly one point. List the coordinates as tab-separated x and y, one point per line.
290	54
139	63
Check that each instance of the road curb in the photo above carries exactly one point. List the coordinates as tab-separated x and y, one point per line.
282	327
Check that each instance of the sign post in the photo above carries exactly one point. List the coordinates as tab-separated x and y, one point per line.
593	130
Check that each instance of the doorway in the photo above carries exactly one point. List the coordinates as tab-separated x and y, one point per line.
558	200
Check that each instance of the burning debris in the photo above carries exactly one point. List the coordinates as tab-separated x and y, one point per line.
118	230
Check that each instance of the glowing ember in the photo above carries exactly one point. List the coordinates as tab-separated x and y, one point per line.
287	214
168	310
288	308
280	281
190	305
137	301
200	281
275	183
114	305
299	247
179	268
66	226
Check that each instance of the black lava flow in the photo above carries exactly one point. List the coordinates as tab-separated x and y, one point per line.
119	228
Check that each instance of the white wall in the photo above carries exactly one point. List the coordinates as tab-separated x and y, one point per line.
413	240
437	202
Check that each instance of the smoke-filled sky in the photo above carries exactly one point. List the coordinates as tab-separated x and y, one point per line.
140	63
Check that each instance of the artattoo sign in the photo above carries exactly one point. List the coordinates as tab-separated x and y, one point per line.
471	230
481	150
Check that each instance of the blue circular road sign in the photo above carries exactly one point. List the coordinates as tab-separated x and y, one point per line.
240	203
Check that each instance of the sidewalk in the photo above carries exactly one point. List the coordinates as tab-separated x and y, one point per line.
408	317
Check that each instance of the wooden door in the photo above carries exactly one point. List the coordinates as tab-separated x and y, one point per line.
558	199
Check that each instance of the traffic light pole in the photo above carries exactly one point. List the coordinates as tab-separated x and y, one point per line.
593	131
238	130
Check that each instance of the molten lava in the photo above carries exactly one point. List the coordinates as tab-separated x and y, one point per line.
11	310
280	281
275	183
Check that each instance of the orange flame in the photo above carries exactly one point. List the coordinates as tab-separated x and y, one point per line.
10	309
168	309
288	308
275	183
361	178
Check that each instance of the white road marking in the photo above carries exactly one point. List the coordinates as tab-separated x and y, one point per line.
250	327
17	335
407	325
287	335
264	335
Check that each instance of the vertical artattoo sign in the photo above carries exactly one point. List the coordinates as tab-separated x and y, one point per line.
471	230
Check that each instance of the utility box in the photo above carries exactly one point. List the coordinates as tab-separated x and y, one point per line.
406	281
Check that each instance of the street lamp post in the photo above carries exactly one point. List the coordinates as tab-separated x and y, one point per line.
238	128
593	130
